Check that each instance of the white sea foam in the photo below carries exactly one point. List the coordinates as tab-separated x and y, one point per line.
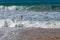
1	7
27	24
12	8
10	17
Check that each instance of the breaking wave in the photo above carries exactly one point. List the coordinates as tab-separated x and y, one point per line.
30	8
28	24
15	7
27	19
22	16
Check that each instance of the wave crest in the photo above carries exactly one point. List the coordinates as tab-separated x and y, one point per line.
14	7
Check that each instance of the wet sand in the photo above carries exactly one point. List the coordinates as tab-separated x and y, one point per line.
29	34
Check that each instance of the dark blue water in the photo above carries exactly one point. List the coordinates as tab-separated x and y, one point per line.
30	1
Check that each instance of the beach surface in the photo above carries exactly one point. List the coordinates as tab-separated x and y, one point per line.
29	34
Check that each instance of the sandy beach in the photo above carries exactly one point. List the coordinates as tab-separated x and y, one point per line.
29	34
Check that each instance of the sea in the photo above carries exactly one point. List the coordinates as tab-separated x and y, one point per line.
30	14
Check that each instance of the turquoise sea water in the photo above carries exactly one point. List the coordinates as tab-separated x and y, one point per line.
37	5
31	3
